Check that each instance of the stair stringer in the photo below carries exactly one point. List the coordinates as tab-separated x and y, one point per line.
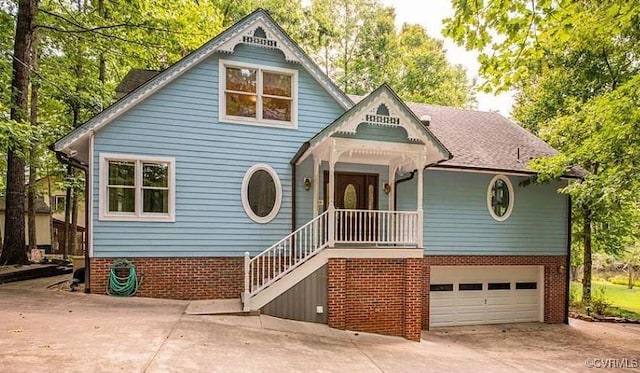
259	300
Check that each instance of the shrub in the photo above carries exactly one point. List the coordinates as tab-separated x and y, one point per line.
599	302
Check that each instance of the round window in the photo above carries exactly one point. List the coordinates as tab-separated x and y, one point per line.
261	193
500	197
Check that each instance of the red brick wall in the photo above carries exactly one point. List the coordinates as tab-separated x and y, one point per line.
375	295
179	278
554	279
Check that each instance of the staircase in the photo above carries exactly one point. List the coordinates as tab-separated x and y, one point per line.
285	263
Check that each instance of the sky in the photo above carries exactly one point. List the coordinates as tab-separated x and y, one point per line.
429	14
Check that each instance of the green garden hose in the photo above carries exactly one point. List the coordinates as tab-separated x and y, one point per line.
123	286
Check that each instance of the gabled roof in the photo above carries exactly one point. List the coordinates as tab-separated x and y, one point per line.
365	111
257	28
481	140
134	79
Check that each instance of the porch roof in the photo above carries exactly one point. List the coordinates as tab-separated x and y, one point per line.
380	108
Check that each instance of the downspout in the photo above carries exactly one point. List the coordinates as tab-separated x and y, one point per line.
568	263
395	187
63	158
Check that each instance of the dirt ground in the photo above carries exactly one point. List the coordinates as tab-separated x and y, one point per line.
49	330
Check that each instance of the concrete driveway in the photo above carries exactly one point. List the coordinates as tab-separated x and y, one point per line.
45	330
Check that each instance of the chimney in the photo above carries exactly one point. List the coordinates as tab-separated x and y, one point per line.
425	119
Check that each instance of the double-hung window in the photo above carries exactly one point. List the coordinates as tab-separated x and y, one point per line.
137	188
258	95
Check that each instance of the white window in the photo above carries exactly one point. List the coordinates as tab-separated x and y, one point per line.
261	193
258	95
136	188
500	197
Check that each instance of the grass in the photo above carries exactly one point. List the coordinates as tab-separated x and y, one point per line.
625	302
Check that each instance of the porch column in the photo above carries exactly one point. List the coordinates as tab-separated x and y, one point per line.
330	203
392	184
420	207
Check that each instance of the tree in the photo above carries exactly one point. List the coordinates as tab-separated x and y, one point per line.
13	251
571	62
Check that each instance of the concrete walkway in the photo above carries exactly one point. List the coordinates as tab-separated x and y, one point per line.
53	331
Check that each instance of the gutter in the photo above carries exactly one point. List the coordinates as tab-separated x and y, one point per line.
63	158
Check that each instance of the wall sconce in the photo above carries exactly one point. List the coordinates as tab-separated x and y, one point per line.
307	183
387	188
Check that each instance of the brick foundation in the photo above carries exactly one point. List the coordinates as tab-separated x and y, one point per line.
179	278
375	295
554	279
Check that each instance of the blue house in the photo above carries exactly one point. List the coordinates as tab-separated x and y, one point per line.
244	172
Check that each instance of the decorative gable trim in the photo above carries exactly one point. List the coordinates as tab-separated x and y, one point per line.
258	29
260	34
382	111
381	108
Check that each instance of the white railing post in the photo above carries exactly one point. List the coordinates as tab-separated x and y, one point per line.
247	282
331	216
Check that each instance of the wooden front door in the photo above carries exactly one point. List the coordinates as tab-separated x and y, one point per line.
354	191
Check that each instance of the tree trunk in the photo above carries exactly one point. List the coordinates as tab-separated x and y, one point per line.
33	152
630	285
67	214
74	222
13	251
586	278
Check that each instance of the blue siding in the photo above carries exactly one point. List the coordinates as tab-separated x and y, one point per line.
367	131
457	222
181	121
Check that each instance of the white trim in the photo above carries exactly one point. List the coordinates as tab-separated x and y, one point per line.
245	198
511	198
376	253
447	168
89	193
259	17
257	121
138	215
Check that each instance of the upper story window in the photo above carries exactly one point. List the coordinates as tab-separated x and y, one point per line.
136	188
500	198
258	95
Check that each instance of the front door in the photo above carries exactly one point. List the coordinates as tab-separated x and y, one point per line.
354	191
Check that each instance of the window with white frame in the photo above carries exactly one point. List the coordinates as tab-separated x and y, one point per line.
253	94
500	198
261	193
137	188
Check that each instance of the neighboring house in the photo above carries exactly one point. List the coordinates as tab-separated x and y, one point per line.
53	185
378	216
43	229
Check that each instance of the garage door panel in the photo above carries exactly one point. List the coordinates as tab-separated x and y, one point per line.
504	303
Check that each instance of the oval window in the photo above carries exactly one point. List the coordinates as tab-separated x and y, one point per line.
350	197
500	197
261	193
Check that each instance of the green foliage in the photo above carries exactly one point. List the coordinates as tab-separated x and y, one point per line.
357	44
599	302
623	280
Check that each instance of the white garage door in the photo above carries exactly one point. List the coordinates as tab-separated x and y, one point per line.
485	295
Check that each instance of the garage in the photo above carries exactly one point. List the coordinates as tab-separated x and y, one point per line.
471	295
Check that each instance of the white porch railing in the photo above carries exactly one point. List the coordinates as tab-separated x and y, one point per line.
333	226
377	227
282	257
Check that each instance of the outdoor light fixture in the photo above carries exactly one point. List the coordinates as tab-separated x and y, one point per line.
387	188
307	183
